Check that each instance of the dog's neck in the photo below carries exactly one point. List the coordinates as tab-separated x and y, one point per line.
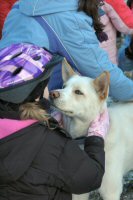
78	126
75	126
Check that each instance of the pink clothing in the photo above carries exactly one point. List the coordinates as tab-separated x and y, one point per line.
10	126
59	117
100	126
118	17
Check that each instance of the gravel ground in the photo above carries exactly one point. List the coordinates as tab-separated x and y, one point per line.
127	190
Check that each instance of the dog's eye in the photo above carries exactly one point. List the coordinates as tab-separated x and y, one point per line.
78	92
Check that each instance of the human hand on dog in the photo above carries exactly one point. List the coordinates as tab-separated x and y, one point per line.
100	126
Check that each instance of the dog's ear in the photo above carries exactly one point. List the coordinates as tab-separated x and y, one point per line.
67	70
101	84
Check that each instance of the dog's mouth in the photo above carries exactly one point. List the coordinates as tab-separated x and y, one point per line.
66	112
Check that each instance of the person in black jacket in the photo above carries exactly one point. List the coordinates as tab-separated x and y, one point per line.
38	159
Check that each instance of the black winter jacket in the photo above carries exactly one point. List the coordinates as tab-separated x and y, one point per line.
38	163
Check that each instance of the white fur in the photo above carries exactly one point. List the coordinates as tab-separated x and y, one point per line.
80	110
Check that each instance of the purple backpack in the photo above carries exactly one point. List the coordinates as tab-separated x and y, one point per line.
22	62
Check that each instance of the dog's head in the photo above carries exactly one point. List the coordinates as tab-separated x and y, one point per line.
80	96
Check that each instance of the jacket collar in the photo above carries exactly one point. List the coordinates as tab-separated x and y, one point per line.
44	7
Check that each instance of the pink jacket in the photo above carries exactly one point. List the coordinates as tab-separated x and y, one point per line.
118	17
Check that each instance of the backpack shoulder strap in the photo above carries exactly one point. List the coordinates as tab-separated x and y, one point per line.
54	40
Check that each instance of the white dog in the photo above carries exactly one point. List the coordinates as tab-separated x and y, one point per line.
80	101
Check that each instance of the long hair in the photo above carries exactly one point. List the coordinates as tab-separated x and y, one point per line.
130	3
29	108
90	7
33	111
24	111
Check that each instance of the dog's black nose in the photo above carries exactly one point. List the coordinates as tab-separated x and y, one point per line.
54	94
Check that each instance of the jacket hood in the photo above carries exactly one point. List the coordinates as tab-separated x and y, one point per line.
44	7
10	126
